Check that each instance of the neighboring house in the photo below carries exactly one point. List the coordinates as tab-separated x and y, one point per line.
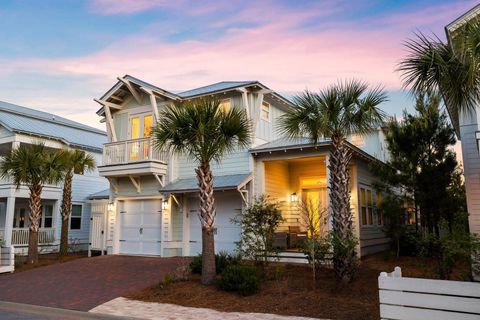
20	125
152	205
467	127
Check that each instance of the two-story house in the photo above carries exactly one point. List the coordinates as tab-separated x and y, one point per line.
152	205
20	125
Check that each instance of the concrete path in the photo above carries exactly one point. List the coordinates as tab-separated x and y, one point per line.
18	311
85	283
164	311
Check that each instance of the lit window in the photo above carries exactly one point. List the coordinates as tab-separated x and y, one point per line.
265	114
357	140
225	105
76	217
367	206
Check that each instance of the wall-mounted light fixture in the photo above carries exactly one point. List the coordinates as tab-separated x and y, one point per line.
164	204
293	197
110	206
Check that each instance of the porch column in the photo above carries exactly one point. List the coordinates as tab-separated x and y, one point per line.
9	220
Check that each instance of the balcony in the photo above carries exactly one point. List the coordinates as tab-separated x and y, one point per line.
133	157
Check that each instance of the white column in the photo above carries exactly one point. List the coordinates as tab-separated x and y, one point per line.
9	220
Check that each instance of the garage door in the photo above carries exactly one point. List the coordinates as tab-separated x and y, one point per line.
140	227
228	205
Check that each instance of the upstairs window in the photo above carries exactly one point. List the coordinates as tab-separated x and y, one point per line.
225	105
265	113
358	140
76	217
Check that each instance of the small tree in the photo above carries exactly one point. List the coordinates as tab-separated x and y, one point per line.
316	245
259	222
392	210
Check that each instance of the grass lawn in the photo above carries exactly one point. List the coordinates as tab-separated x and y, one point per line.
290	291
46	260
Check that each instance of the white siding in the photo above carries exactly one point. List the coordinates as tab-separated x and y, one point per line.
471	163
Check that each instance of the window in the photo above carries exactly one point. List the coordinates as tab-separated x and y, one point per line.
265	113
47	214
357	140
367	206
76	217
225	105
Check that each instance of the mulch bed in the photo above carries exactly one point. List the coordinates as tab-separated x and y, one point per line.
290	291
46	260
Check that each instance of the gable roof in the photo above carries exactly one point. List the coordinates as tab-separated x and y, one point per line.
216	87
29	121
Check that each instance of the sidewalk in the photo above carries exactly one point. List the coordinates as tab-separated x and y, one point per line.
164	311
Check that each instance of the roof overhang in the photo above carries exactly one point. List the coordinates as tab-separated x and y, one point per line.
220	183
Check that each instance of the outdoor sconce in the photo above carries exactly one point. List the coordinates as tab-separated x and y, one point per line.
293	197
110	206
164	204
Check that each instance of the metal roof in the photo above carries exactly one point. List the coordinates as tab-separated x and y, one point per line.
104	194
227	182
42	124
219	86
287	143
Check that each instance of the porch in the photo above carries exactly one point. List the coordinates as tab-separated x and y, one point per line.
300	186
14	228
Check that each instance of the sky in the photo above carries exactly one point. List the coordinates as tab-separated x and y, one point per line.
57	56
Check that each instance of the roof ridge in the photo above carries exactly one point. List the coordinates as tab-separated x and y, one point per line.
49	117
218	82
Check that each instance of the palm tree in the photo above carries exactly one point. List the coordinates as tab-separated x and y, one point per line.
340	110
451	68
32	165
73	161
200	130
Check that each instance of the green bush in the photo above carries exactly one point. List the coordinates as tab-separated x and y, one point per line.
222	261
241	279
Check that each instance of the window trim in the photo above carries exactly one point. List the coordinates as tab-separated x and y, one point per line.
71	215
374	223
269	111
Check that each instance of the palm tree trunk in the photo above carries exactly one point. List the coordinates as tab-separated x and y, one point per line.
34	217
207	218
66	211
344	257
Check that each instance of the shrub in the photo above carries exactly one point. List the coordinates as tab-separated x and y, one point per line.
222	261
259	222
241	279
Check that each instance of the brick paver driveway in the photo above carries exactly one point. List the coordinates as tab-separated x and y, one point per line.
85	283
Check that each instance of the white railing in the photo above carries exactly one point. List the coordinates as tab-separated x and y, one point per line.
129	151
411	298
20	236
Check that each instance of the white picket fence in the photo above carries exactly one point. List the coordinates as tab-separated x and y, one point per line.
424	299
7	259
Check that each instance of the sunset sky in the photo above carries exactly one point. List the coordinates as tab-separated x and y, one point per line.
58	55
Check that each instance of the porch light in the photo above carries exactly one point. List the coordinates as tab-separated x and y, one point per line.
293	197
110	206
164	204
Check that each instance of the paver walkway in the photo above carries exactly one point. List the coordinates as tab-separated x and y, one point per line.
164	311
85	283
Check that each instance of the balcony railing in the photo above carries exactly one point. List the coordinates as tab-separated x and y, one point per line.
20	236
131	151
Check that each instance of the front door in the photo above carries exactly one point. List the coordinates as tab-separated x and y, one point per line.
140	127
315	201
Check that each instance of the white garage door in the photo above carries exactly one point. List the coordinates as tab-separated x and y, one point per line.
140	227
228	205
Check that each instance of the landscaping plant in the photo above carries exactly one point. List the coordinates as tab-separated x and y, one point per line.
392	209
337	112
72	162
34	166
241	279
199	129
222	261
258	222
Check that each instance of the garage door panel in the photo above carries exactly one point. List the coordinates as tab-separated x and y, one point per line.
140	227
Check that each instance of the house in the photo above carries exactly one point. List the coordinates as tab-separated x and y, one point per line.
467	128
152	205
20	125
